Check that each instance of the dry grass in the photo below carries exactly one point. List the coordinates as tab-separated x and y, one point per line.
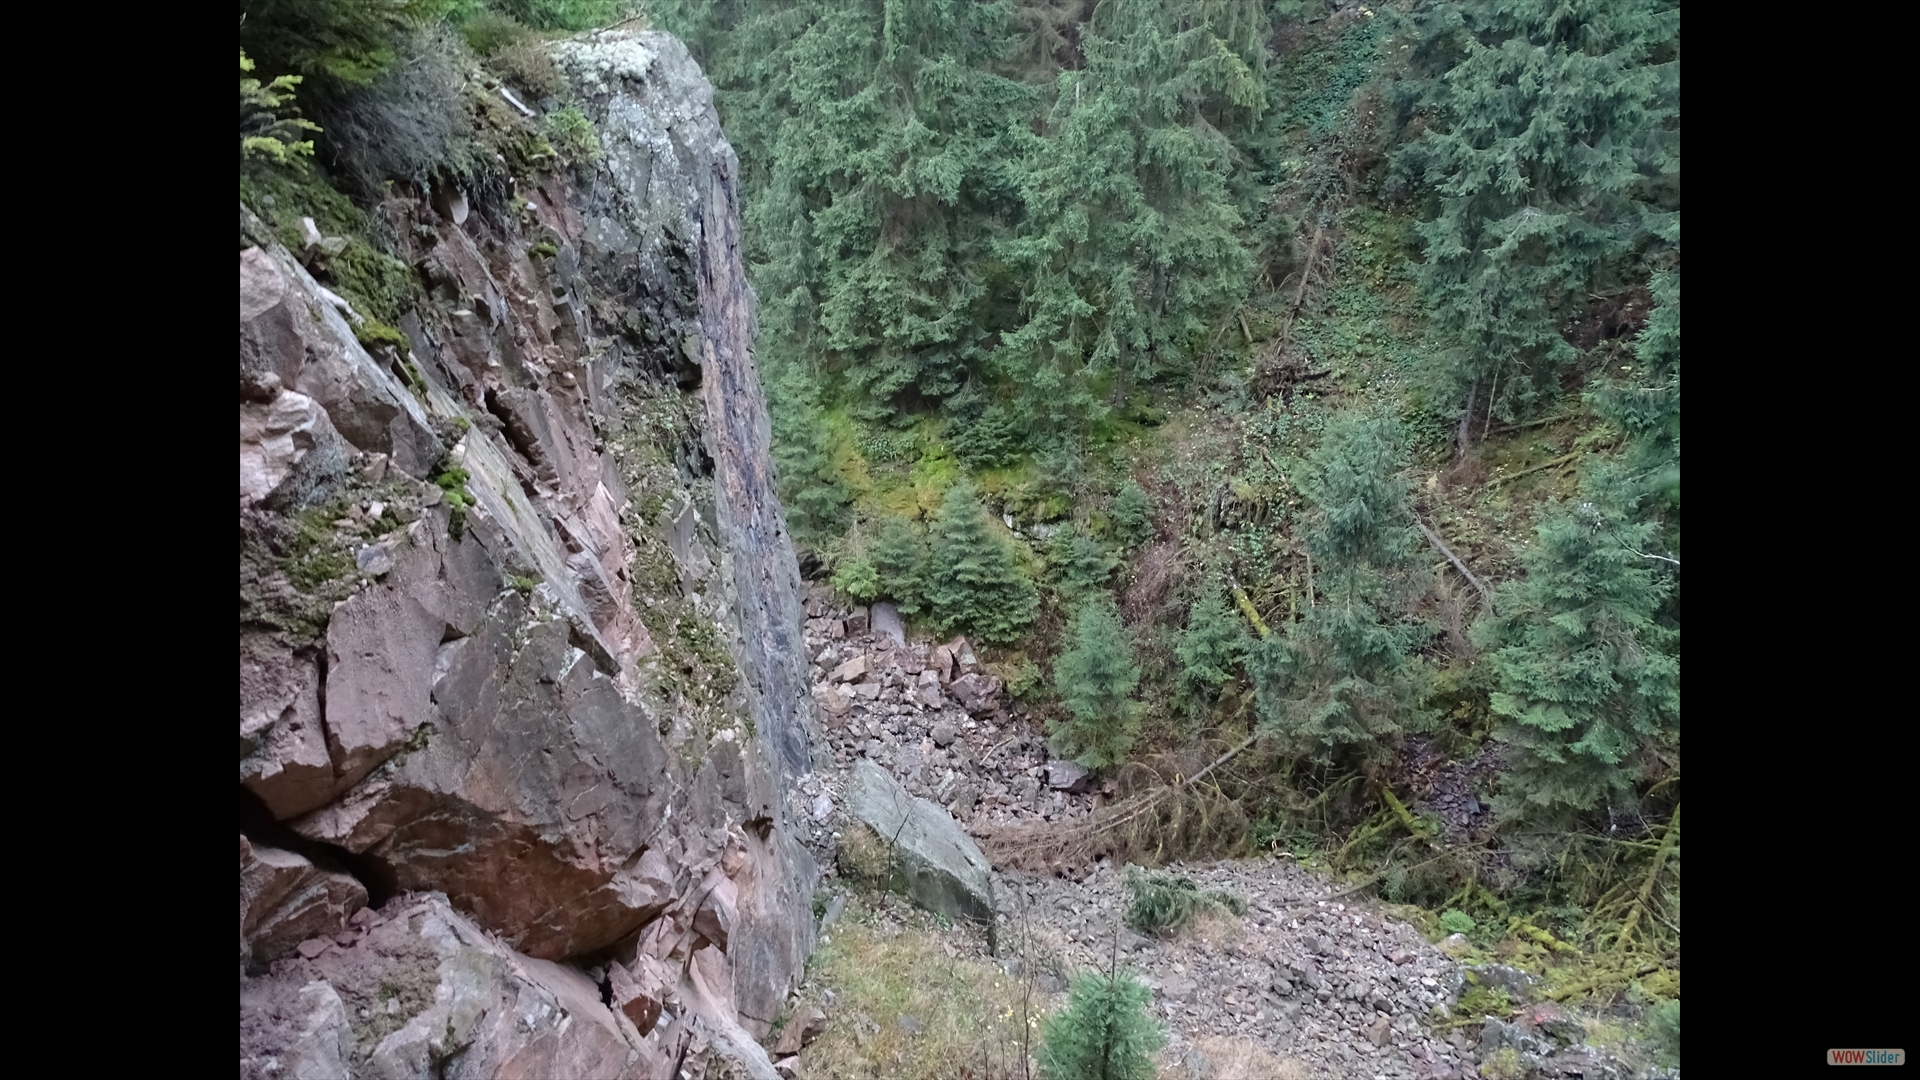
914	1002
1235	1057
1238	1057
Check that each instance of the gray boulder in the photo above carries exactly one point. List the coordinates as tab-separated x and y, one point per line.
935	863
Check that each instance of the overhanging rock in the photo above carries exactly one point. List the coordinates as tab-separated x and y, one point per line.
936	864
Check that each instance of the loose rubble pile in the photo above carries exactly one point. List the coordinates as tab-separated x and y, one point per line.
933	716
1315	974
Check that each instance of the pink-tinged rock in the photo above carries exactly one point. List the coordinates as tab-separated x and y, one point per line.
283	745
284	442
866	691
381	647
287	903
718	908
941	663
640	993
801	1030
851	670
452	993
833	699
857	622
976	692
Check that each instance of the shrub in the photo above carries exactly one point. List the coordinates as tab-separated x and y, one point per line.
270	125
573	135
1455	921
1079	564
857	579
1103	1034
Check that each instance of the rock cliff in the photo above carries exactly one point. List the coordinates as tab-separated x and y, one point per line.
521	674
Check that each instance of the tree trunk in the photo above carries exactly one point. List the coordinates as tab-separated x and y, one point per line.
1466	419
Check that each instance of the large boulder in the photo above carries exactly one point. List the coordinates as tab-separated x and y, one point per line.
933	861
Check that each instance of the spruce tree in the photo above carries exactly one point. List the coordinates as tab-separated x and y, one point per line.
900	559
1095	677
1551	147
1078	563
1132	514
1210	649
971	583
809	486
1104	1033
1589	685
1343	681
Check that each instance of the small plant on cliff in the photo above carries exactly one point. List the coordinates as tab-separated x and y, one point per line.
1103	1034
573	135
270	124
453	483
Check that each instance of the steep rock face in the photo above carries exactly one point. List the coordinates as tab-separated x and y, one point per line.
520	621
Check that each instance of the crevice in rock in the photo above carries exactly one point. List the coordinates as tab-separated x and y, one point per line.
258	825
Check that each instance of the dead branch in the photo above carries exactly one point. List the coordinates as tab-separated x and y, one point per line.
1485	593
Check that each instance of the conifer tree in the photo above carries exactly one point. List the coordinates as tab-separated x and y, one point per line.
1342	680
900	559
1551	130
1078	562
1104	1033
1096	676
1589	687
1210	649
810	488
972	584
1132	514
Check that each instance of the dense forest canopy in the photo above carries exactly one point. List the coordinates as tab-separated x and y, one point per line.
1321	360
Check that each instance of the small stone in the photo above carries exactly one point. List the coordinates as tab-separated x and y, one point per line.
309	233
851	670
313	947
822	807
943	733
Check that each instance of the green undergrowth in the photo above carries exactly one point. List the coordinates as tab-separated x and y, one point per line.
916	999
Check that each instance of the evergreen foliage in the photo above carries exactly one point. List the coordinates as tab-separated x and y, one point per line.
900	559
1343	679
996	198
270	124
972	584
1078	563
1213	645
1095	676
857	579
1104	1033
1551	147
1132	514
1589	687
345	43
1644	403
811	489
1162	902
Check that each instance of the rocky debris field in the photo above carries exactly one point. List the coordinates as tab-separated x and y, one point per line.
1313	972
